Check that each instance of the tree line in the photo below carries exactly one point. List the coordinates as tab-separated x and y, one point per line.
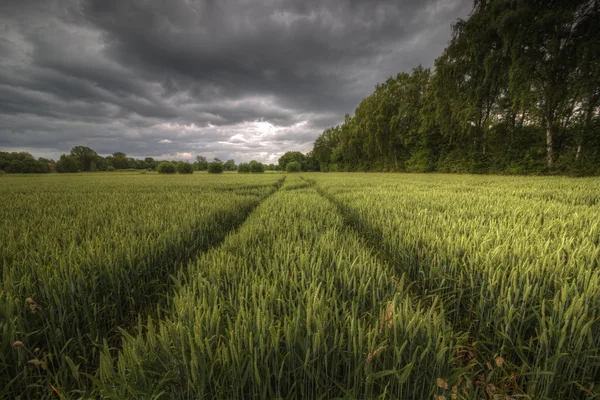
517	90
85	159
80	159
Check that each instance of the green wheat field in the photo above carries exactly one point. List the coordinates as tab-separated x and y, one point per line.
316	286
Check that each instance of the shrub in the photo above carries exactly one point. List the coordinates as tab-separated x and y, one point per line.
293	166
215	167
256	167
244	168
110	168
166	167
185	168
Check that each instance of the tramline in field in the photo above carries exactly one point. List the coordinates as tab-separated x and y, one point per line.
310	285
83	256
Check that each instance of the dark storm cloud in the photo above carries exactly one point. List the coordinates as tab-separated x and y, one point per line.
241	79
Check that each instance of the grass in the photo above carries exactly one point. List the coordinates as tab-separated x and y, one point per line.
291	306
330	286
91	252
514	261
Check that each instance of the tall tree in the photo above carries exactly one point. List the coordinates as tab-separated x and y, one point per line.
289	157
588	77
68	163
201	163
119	160
405	125
229	165
542	38
324	146
85	155
469	80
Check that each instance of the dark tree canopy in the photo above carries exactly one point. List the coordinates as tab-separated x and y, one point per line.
215	167
23	163
184	168
308	162
68	163
293	166
256	167
290	156
229	165
201	164
166	167
516	91
86	157
243	168
119	160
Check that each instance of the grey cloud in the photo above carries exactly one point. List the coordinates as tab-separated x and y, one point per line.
242	79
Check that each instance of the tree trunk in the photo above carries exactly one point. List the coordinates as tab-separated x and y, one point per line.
578	152
549	146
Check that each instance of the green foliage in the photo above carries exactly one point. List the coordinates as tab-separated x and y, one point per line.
85	159
185	168
201	164
290	156
215	167
256	167
308	162
456	161
85	155
166	167
23	163
68	164
330	288
229	165
64	282
515	78
327	318
325	145
119	160
150	163
459	238
479	163
293	166
243	168
16	167
421	160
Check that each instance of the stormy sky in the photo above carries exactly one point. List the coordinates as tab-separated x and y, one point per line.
246	79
